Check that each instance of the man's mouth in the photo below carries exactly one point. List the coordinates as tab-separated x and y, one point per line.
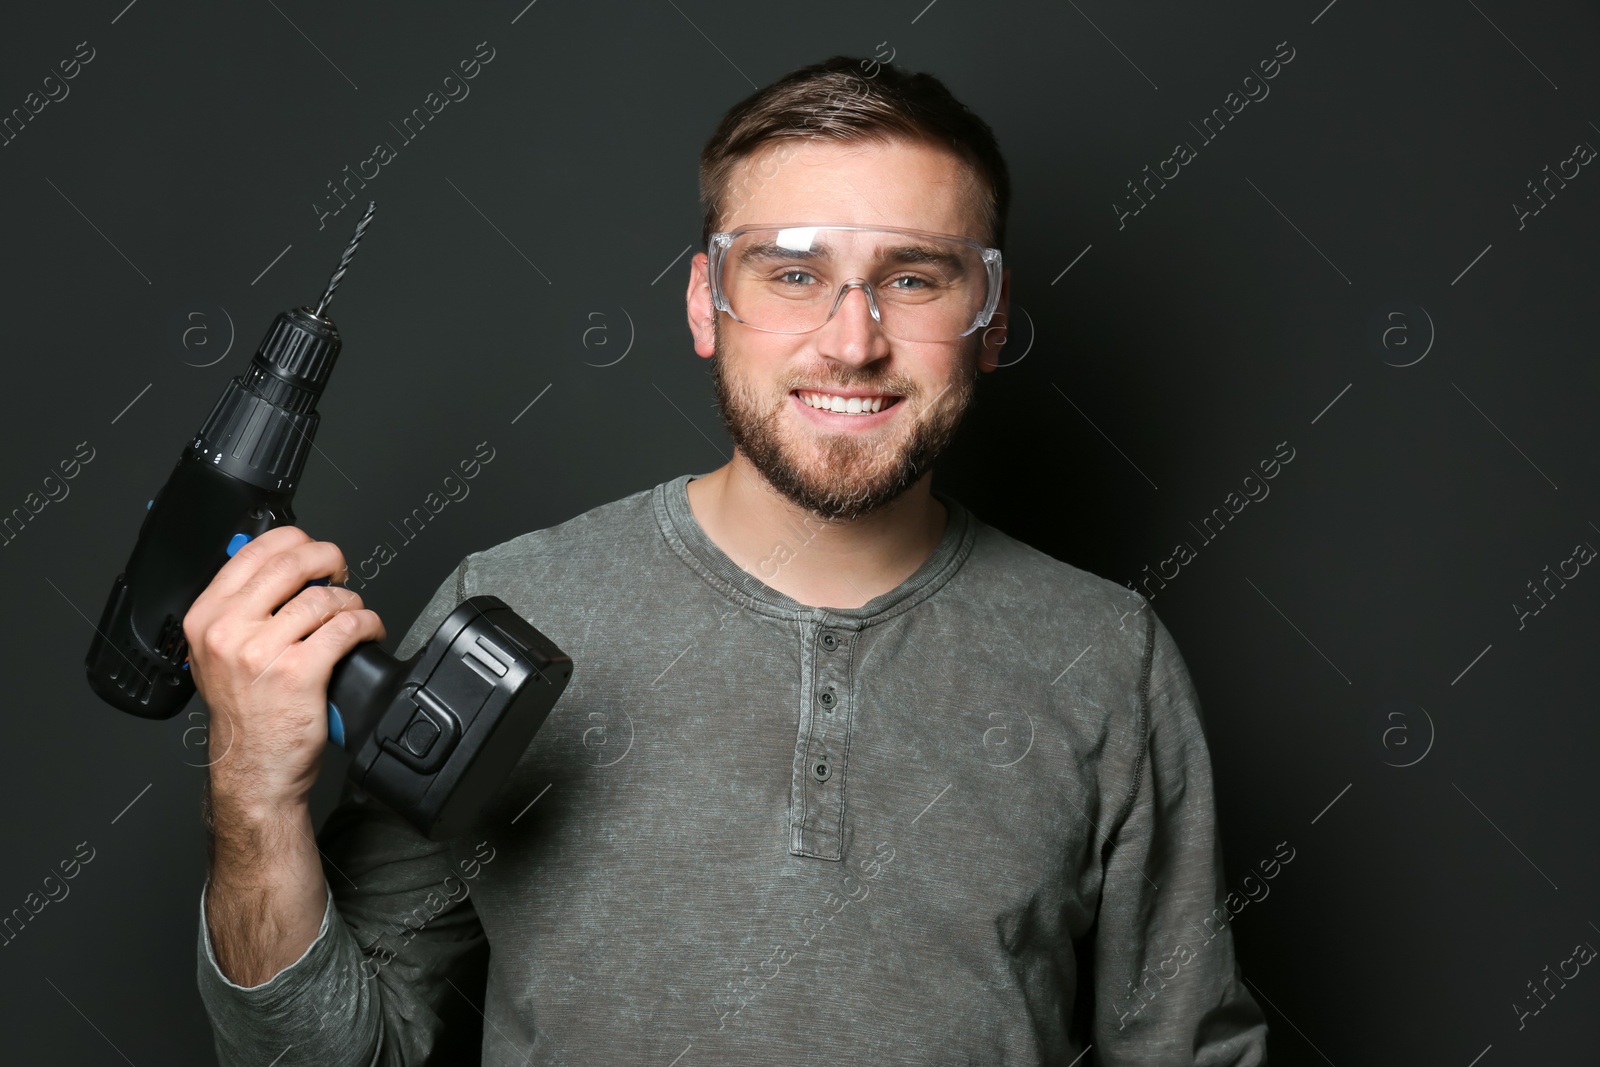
841	405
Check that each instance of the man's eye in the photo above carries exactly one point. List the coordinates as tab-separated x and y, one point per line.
921	284
788	274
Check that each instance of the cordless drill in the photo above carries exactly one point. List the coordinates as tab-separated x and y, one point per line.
432	736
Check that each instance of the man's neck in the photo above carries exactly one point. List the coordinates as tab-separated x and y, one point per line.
821	564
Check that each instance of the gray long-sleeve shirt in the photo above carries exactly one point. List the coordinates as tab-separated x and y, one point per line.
970	822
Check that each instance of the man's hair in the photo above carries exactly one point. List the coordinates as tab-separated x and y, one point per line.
837	100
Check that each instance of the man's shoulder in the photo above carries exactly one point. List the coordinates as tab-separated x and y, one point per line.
1029	585
600	532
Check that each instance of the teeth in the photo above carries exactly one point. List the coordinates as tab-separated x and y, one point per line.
853	406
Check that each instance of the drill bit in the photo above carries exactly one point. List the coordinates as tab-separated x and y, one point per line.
344	260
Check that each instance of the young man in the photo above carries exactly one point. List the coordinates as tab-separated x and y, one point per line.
843	774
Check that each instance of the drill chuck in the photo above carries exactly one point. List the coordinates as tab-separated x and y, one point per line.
263	423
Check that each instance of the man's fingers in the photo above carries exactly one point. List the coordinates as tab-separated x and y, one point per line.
336	637
330	632
261	577
283	575
308	610
247	561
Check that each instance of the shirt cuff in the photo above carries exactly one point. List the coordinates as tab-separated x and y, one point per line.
278	981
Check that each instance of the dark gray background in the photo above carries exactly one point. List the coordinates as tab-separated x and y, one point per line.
1230	315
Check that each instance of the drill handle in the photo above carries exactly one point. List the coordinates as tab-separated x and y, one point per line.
360	689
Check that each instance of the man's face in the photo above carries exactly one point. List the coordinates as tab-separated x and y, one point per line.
841	466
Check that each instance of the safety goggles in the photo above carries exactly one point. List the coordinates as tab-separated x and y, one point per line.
919	286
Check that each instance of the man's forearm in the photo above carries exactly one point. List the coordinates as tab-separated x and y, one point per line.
266	896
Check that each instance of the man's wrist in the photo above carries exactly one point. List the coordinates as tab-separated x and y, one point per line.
228	806
246	833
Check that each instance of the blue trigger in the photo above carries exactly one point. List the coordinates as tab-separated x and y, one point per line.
335	725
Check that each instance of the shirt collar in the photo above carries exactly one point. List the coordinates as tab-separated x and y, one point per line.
686	537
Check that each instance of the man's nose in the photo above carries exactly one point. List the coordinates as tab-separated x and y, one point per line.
852	334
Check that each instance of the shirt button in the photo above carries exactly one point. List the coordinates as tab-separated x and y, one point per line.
820	771
830	640
827	699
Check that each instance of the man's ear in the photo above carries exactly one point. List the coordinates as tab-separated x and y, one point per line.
997	333
702	316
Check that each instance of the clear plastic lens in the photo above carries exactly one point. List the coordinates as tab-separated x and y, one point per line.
919	286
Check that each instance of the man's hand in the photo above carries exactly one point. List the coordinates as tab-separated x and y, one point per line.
262	647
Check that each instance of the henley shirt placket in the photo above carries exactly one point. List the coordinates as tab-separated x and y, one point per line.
822	746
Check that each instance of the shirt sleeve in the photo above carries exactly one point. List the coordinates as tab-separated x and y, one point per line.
399	952
1167	987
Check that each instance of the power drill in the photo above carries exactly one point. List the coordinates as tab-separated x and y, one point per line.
433	736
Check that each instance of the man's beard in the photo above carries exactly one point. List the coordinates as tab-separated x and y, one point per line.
854	473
